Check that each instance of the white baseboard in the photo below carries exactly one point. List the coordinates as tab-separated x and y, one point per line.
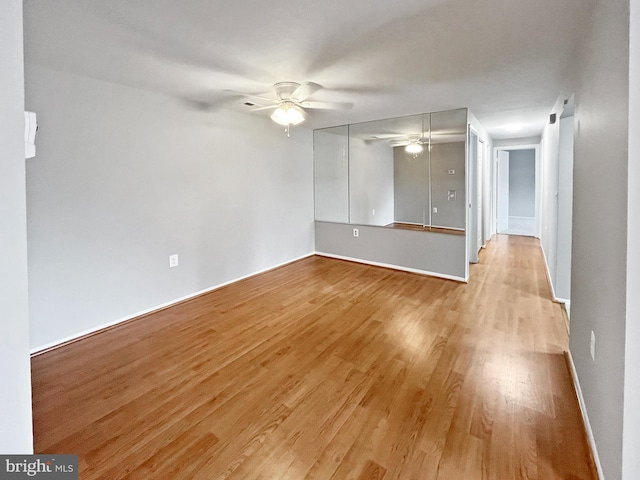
566	301
546	269
585	417
77	336
395	267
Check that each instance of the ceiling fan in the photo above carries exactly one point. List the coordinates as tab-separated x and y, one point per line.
291	102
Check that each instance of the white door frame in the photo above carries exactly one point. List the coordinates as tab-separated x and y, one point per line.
487	202
480	207
538	180
472	196
502	191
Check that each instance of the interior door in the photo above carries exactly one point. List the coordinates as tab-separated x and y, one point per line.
503	191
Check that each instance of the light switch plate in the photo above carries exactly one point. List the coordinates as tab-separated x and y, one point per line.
173	260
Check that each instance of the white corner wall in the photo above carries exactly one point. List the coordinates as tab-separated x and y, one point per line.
15	375
600	215
631	438
124	178
548	221
488	207
562	281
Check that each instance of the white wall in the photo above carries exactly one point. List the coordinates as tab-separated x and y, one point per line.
522	183
370	182
600	203
15	377
631	442
124	178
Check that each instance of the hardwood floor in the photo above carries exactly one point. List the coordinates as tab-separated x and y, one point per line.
327	369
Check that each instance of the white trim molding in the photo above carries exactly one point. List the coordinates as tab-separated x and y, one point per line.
395	267
553	291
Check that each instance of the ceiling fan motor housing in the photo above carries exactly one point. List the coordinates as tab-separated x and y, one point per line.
285	90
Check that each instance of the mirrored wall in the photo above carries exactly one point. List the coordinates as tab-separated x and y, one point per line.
406	172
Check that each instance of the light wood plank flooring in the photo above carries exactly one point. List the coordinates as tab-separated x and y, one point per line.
327	369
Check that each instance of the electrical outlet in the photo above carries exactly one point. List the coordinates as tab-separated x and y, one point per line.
373	212
593	346
173	260
435	209
451	195
452	172
356	233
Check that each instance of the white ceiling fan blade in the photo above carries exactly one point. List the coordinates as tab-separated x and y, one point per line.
261	101
399	139
327	105
270	107
388	136
305	90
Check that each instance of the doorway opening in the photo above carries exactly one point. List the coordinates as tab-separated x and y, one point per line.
516	170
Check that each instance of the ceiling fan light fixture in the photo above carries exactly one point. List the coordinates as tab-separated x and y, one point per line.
414	148
288	113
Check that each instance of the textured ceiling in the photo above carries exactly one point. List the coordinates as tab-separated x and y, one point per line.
506	60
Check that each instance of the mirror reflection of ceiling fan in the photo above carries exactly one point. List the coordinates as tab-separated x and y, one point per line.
291	103
413	144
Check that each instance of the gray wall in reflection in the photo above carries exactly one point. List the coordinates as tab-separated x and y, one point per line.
446	157
411	186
